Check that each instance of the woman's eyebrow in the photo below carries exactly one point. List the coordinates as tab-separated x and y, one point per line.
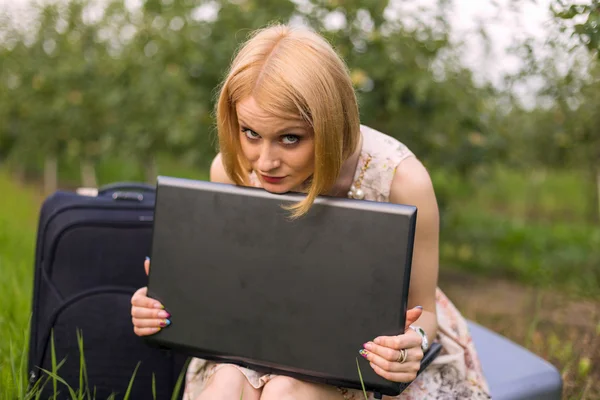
245	125
287	128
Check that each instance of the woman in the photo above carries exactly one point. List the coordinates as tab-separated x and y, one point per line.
288	120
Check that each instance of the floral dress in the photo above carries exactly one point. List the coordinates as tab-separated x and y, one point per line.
456	373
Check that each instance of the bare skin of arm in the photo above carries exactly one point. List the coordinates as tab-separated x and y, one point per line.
217	171
412	185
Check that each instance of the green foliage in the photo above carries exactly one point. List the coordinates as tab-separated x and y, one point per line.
563	127
136	82
538	254
588	30
532	228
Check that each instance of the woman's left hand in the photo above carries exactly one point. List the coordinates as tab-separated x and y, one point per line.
385	356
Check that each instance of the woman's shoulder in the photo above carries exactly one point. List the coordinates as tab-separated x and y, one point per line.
412	184
394	173
383	147
380	156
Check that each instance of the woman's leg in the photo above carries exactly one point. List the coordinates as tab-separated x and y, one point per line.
286	388
228	383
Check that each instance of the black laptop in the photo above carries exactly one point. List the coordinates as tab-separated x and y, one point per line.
246	284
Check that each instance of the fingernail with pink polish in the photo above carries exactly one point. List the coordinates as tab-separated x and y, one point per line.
163	314
363	353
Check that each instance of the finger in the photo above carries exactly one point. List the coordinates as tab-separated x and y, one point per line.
413	315
407	340
387	353
404	377
383	363
407	367
150	323
140	299
391	352
149	313
392	355
147	265
145	331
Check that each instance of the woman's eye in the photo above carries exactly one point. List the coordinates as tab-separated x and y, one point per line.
250	134
290	139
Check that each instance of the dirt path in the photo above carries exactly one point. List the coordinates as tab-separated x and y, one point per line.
562	329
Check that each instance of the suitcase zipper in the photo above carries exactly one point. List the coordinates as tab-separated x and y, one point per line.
33	377
42	272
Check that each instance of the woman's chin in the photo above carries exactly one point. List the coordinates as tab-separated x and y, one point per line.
276	189
280	188
285	186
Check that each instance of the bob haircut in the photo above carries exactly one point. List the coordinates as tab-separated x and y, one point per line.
291	73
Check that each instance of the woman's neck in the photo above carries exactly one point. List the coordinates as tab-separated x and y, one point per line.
347	172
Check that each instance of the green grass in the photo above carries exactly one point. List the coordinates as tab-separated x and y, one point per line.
554	255
18	219
529	226
533	195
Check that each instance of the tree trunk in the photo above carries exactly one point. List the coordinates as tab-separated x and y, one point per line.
594	194
537	177
19	173
150	170
50	174
596	217
88	174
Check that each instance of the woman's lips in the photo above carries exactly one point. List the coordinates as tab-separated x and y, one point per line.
272	179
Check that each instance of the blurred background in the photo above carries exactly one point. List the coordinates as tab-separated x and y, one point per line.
500	100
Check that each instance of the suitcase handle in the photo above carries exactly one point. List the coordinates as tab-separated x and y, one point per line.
128	191
121	186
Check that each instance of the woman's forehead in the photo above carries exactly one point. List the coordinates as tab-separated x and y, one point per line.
248	110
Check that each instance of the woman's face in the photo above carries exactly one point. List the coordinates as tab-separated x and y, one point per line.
280	151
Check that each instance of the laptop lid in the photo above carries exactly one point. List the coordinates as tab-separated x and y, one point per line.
245	284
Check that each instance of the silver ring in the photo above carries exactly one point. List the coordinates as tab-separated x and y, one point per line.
402	357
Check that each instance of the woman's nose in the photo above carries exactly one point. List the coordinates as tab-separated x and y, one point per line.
268	159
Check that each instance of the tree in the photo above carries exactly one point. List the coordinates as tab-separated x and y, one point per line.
141	81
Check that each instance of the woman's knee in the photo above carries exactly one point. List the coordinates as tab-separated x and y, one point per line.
226	374
229	382
280	387
283	388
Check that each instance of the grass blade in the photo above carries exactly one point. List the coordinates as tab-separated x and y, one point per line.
83	376
12	364
81	363
175	393
54	369
153	386
24	353
361	380
38	391
57	379
131	381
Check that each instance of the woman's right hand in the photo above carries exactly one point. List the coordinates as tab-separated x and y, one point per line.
148	315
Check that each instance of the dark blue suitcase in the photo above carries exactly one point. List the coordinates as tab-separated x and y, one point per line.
89	261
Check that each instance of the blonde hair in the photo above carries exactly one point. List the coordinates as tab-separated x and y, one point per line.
292	72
